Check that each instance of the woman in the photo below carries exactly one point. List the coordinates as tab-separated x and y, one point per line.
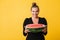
35	19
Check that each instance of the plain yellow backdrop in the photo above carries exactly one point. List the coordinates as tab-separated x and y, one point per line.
13	13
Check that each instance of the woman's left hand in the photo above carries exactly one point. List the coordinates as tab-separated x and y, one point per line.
44	30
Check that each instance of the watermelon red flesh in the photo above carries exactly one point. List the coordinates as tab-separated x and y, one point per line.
35	26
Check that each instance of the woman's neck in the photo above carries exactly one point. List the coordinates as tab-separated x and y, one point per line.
35	17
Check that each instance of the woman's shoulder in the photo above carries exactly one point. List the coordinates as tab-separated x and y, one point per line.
42	18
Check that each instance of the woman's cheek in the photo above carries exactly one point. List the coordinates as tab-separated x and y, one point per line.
32	14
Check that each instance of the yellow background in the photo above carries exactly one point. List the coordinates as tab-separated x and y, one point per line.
13	13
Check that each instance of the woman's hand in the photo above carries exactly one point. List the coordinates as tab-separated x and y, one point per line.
44	30
26	30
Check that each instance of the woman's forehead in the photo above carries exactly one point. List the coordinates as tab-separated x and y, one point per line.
35	8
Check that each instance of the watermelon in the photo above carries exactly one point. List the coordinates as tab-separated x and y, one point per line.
35	27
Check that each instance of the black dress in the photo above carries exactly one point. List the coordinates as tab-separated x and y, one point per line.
34	36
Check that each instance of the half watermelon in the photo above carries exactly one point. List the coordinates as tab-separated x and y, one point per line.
35	27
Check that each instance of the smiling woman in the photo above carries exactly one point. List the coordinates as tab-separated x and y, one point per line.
14	14
35	20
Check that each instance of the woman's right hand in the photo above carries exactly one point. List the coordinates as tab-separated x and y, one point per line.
26	30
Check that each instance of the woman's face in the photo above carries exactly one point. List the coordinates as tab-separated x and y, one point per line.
35	11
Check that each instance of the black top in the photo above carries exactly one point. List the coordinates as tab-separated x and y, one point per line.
34	36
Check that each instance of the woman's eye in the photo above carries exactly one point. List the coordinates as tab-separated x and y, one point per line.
34	11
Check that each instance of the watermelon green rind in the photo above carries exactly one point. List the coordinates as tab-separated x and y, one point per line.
35	30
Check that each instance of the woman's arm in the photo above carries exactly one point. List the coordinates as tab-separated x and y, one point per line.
45	29
24	25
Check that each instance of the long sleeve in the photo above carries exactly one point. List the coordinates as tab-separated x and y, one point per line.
24	24
45	23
